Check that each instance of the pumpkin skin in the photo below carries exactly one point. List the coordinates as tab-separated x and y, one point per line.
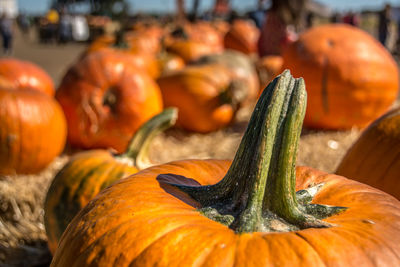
196	91
242	69
168	62
242	36
25	75
32	131
373	158
351	78
105	99
158	228
268	67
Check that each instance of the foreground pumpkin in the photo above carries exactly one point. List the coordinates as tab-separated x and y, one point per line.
106	99
89	172
32	131
374	157
203	212
207	97
351	78
20	75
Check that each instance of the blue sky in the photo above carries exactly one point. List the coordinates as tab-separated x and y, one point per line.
40	6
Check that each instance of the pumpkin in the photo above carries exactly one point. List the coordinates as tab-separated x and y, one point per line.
268	68
168	62
244	213
374	158
106	99
206	96
189	50
352	79
89	172
242	36
32	130
20	74
241	66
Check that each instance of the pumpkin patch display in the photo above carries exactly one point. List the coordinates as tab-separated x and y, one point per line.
241	213
89	172
351	78
242	36
206	95
374	158
21	75
33	130
106	99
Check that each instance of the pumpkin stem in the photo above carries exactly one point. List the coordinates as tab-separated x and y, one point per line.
258	191
138	146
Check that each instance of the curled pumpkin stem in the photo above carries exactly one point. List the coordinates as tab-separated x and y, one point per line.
258	191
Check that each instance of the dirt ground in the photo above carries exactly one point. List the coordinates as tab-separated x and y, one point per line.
22	235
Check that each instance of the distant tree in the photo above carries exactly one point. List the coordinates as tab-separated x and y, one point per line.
114	8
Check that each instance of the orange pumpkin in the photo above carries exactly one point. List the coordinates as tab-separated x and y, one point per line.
24	75
168	62
89	172
199	212
352	79
374	157
205	95
268	68
32	131
105	99
242	36
242	69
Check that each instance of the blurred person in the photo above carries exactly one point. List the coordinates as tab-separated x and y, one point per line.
80	28
6	29
64	27
383	24
258	15
352	19
279	28
23	23
336	18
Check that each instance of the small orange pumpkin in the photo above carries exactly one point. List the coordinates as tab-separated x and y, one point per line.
268	68
89	172
214	213
206	95
242	36
106	98
351	78
374	157
25	75
32	131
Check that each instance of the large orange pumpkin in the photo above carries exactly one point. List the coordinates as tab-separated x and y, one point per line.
374	157
197	213
32	131
20	74
89	172
206	96
242	36
351	78
105	99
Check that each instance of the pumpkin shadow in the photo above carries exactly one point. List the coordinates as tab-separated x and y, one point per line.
167	182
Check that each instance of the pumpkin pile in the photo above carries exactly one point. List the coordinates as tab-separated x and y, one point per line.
222	213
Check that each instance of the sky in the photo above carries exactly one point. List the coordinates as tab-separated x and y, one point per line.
40	6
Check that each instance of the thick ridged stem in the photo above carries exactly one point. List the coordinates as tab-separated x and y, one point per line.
138	147
258	191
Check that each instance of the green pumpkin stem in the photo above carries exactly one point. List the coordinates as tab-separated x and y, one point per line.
138	146
258	191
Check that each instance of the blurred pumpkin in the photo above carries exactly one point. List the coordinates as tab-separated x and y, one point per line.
351	78
21	74
106	98
207	97
244	213
89	172
374	157
168	62
268	68
241	66
32	130
242	36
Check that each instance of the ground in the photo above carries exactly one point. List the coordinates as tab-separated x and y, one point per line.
22	235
